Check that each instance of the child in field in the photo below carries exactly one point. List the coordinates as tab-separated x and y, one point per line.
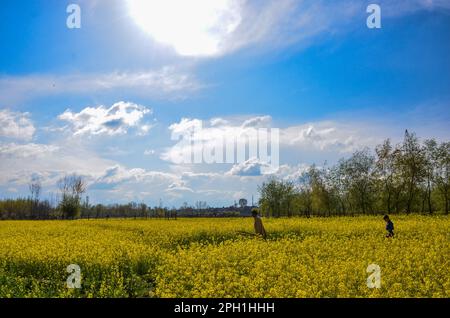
259	227
389	226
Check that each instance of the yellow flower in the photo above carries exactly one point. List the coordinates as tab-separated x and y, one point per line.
208	258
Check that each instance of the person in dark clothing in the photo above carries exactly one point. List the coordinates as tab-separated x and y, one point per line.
389	226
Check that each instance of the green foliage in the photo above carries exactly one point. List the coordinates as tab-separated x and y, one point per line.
70	207
276	198
411	176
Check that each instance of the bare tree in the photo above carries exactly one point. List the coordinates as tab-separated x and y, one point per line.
35	191
385	172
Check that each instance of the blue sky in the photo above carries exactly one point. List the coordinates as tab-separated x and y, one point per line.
310	68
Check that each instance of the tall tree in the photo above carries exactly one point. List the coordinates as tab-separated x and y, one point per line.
429	151
386	173
412	167
303	200
358	171
339	186
441	159
276	197
71	188
321	197
35	191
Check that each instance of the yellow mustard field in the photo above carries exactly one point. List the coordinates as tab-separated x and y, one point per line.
317	257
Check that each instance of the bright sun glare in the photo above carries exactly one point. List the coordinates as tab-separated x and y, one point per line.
191	27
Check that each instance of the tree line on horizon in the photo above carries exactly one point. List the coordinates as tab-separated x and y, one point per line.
412	176
409	177
69	204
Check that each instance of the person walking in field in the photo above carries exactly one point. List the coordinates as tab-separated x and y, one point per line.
389	226
259	227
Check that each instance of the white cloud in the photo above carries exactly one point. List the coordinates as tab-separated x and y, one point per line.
138	184
50	162
118	174
292	173
186	125
26	150
179	186
16	125
218	122
284	23
280	23
111	181
116	151
340	137
145	129
149	152
166	82
260	121
250	168
301	145
215	28
327	137
107	121
192	28
211	134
